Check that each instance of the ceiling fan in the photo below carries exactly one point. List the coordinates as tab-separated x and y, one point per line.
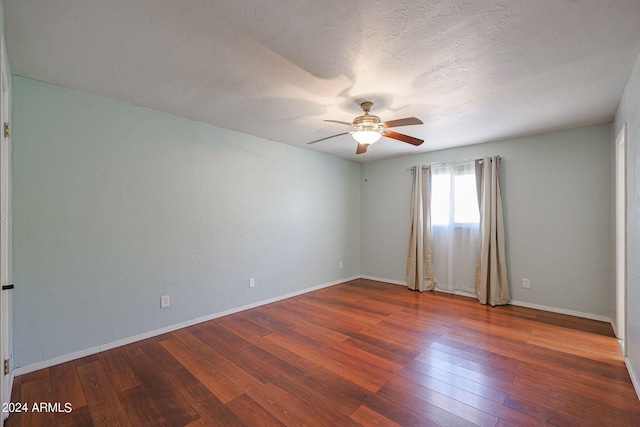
368	129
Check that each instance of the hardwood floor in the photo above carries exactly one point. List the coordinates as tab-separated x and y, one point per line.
359	353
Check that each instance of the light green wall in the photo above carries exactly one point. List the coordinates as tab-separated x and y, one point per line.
629	113
115	205
557	204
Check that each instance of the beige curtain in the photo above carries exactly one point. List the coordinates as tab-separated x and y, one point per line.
491	272
419	259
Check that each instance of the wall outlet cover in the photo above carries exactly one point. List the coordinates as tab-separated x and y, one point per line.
164	301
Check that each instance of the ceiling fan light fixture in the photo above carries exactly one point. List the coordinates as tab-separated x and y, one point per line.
368	129
366	137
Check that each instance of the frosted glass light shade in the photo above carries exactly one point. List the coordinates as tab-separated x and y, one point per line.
366	137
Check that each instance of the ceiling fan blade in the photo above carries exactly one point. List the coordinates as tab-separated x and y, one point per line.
361	149
328	137
338	121
402	137
402	122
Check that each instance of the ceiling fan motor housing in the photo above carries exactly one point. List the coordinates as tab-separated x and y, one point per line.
367	122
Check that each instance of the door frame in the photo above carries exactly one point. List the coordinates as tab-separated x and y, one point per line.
620	236
6	381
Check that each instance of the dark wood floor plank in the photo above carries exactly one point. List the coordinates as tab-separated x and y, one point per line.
488	377
121	375
336	348
236	325
66	385
322	412
409	411
87	359
222	388
401	337
582	363
211	411
142	411
424	373
485	341
259	363
383	352
39	375
352	349
67	389
577	343
570	379
36	388
339	355
559	320
354	307
610	407
297	321
261	316
360	353
493	407
103	402
322	386
367	417
162	359
340	313
357	377
77	417
487	358
550	416
324	318
437	406
173	406
277	405
251	413
246	325
392	350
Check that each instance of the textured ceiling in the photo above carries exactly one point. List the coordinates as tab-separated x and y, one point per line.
473	71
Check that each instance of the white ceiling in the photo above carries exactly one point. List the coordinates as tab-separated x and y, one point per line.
473	71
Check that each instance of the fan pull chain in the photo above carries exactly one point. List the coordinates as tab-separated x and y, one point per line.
366	162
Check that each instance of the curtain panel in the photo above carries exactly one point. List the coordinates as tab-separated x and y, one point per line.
419	260
491	283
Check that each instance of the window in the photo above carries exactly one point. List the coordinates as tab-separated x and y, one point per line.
454	200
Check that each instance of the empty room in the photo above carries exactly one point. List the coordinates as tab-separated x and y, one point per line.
269	213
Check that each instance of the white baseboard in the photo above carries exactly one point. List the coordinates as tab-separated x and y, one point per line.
379	279
615	329
562	311
634	378
97	349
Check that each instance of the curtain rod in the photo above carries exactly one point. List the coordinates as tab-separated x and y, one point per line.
453	162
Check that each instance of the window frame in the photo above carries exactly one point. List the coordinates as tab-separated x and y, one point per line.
452	171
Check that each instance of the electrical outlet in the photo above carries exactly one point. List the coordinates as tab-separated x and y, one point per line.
252	282
341	264
164	301
526	283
